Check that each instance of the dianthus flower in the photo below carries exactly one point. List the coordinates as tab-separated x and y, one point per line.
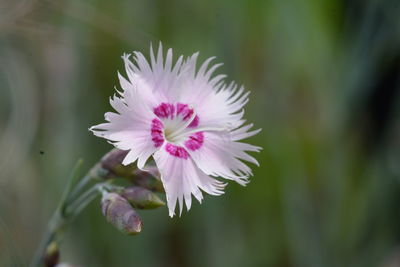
190	121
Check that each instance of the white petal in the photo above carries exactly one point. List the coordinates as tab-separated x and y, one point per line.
125	84
217	104
181	178
242	132
220	156
223	107
130	128
161	77
139	80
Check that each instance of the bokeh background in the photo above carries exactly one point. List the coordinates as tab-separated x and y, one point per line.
325	82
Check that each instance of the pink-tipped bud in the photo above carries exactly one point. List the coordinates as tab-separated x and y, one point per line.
149	179
120	213
110	165
141	198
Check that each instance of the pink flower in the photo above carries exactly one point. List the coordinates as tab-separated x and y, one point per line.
190	122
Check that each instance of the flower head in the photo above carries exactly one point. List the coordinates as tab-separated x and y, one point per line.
190	121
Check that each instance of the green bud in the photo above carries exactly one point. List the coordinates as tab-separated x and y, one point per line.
149	179
141	198
52	255
120	213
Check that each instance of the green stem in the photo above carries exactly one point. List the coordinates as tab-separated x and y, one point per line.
49	236
70	206
75	207
71	181
74	194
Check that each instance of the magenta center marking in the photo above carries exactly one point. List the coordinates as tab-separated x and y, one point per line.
157	134
165	111
168	111
171	111
195	141
177	151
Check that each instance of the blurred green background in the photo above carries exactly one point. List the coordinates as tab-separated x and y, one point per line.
325	83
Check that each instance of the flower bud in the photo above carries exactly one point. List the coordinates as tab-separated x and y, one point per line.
149	179
120	213
52	255
111	165
141	198
97	172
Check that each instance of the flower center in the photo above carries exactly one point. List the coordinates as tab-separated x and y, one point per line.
176	118
176	124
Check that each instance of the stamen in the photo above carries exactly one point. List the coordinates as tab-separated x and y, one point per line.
185	134
183	127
